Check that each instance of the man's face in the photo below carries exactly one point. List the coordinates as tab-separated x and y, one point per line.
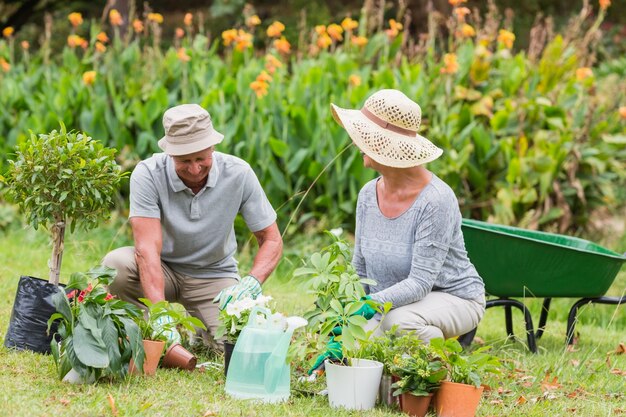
194	168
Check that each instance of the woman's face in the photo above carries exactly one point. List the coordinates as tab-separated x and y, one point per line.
367	161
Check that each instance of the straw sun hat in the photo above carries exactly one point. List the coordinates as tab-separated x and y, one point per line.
385	129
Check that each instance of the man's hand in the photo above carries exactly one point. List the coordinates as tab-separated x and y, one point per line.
166	327
249	286
333	351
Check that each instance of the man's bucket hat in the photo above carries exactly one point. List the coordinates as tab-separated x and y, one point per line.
188	129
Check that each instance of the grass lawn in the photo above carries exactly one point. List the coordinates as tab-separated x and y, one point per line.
588	380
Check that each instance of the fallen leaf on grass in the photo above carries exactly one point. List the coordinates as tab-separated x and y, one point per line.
619	411
572	410
521	400
621	349
503	391
209	413
548	385
616	371
572	348
64	401
496	402
578	392
112	404
575	363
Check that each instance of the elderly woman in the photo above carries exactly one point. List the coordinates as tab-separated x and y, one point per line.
408	224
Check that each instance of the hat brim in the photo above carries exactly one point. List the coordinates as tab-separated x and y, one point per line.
384	146
177	149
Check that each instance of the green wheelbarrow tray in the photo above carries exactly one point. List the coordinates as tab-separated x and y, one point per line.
515	262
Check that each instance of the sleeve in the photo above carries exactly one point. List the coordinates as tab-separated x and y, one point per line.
358	262
432	241
255	208
144	198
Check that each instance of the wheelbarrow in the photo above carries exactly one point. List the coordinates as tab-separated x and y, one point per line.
515	262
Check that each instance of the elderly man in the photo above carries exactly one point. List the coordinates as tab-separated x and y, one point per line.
183	204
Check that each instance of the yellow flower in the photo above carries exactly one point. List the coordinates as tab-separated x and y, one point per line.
275	29
264	76
354	80
335	31
450	64
7	32
507	38
282	45
259	87
182	55
137	26
188	20
348	24
253	21
604	4
100	47
179	33
583	73
467	31
102	37
455	3
320	29
6	67
622	112
76	19
359	41
155	17
229	36
89	77
461	12
115	18
324	41
243	41
25	45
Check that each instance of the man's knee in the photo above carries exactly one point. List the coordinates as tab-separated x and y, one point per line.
123	261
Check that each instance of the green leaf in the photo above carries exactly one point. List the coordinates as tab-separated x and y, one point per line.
89	351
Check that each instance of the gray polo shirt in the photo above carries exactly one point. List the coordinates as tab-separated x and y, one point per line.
198	230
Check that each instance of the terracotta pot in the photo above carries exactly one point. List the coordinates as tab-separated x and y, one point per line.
415	405
177	356
457	400
228	352
154	350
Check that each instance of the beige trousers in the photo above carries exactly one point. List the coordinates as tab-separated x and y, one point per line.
195	294
439	314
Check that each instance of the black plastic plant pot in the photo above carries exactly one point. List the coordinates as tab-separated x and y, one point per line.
29	319
228	352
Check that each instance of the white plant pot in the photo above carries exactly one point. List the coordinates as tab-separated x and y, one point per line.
74	377
353	387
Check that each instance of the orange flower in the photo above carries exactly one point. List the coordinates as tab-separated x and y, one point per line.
461	12
275	30
456	2
253	21
507	38
179	33
4	65
137	26
583	73
229	36
394	29
7	32
89	77
259	87
115	18
182	55
320	29
188	20
76	19
282	45
335	31
155	17
100	47
324	41
348	24
359	41
354	80
102	37
604	4
622	112
450	64
467	31
272	63
25	45
264	76
243	41
74	40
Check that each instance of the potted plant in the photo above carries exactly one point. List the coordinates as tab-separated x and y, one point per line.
340	295
58	179
233	319
98	331
460	394
159	319
418	373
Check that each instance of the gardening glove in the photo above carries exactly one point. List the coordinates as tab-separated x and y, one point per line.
365	311
165	327
333	351
248	286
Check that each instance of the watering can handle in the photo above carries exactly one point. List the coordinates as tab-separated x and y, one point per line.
256	310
